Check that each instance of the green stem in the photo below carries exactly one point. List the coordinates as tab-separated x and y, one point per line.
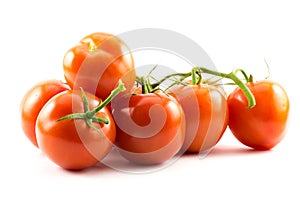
244	74
73	116
115	92
98	119
145	88
197	78
194	77
89	115
232	76
181	75
85	101
138	79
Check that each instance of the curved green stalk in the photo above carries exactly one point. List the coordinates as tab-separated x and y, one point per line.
90	115
232	76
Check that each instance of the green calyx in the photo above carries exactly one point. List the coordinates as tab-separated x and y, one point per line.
90	115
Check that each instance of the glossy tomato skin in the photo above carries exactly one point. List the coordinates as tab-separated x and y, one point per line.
33	102
263	126
71	143
98	63
206	114
150	127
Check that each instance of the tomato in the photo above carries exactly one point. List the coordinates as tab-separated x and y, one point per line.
206	114
33	101
98	63
150	127
72	143
263	126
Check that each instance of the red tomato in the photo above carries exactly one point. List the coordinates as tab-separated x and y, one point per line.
263	126
206	115
33	102
71	143
150	127
98	63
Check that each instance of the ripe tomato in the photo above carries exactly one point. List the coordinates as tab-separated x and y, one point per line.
98	63
206	114
72	143
150	127
33	101
261	127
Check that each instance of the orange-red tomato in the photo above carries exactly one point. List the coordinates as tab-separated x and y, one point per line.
150	127
263	126
206	115
98	63
33	102
71	143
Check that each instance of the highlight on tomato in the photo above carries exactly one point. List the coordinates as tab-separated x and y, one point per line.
97	63
263	126
75	129
150	126
34	100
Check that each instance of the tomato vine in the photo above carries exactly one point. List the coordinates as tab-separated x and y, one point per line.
196	78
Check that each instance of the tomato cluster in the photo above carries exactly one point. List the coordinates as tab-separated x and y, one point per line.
77	123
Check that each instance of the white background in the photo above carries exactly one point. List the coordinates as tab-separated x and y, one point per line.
34	37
